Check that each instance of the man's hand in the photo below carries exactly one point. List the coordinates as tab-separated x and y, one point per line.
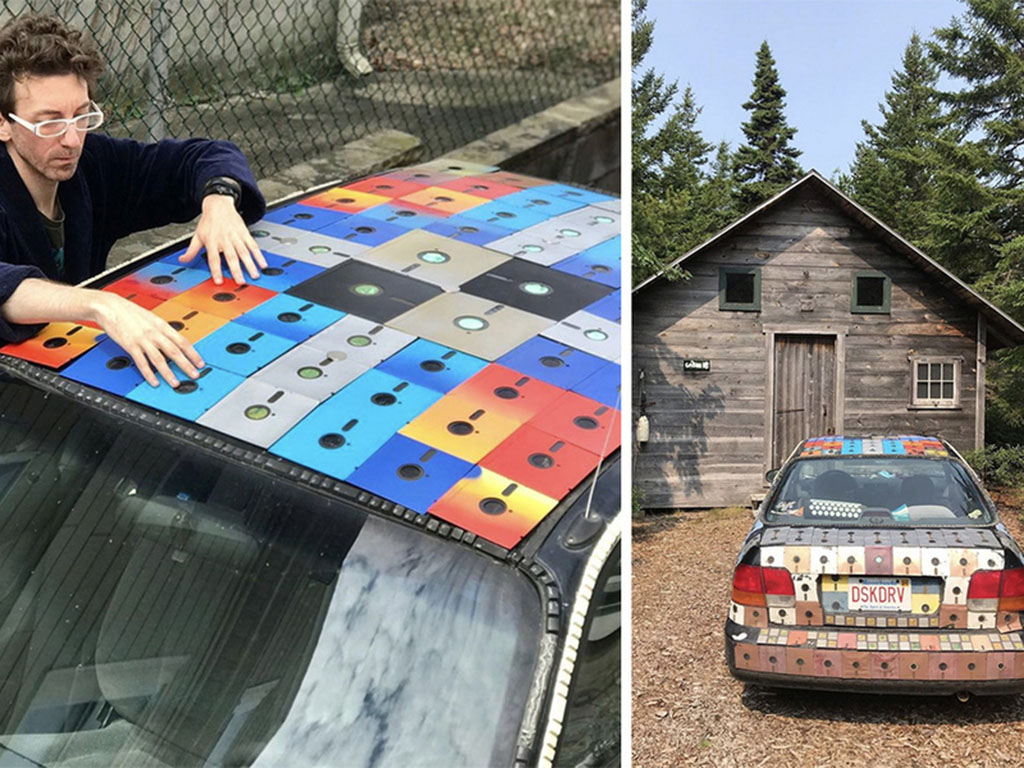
149	340
221	231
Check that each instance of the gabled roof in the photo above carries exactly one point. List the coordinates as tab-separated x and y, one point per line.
1008	332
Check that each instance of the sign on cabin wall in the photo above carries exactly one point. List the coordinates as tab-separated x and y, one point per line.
696	366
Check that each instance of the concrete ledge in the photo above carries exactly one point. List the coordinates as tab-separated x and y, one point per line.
577	140
376	152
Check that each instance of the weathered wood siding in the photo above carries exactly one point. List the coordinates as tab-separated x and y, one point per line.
708	431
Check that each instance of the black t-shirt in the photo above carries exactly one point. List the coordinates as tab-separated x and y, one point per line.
55	231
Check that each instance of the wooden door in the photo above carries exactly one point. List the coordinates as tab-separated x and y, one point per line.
805	387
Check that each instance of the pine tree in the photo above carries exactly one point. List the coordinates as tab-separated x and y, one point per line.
766	163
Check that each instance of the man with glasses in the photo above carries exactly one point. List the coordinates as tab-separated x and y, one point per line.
67	194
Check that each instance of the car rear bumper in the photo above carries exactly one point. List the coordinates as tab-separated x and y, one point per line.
936	662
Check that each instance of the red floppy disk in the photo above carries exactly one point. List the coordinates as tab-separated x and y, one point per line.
541	461
509	393
55	345
583	422
228	300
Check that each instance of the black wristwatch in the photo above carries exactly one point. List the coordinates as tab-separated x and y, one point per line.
224	185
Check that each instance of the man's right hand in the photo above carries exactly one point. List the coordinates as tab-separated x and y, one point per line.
149	340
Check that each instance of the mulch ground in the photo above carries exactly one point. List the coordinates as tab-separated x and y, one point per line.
688	710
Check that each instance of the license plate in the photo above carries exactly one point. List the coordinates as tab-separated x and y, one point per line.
879	594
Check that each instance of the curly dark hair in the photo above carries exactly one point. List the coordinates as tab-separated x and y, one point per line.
44	45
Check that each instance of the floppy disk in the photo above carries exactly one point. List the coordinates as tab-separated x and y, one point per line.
309	371
385	186
543	200
106	366
56	344
511	394
493	507
441	201
311	247
345	200
303	216
360	341
346	429
257	412
406	216
460	428
282	272
479	186
609	308
532	288
363	230
579	194
432	365
454	166
421	176
365	290
192	397
466	230
409	473
585	227
191	323
583	422
552	362
289	317
588	332
470	324
227	300
159	280
541	461
613	204
517	180
498	213
240	349
607	251
605	272
434	259
605	385
530	245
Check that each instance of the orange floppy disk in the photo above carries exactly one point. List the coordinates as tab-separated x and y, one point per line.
228	300
493	507
462	429
56	344
190	323
442	201
346	199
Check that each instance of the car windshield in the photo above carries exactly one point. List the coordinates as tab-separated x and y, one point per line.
870	490
163	606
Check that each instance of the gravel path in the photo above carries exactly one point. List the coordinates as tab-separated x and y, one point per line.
688	710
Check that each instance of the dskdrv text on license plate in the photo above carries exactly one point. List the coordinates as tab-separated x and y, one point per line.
880	595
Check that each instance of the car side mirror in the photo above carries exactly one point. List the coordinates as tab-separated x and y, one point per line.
770	475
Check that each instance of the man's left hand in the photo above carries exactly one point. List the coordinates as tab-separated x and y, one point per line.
222	232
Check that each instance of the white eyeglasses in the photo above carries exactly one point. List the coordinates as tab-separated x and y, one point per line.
49	129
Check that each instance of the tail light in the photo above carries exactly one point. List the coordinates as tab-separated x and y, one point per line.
1006	587
752	583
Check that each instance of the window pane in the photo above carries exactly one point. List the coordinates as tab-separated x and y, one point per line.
922	390
936	390
947	390
870	291
922	371
947	371
739	288
936	372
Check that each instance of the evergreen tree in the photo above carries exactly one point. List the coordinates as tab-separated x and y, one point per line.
766	163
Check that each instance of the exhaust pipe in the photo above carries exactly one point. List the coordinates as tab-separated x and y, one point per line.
963	696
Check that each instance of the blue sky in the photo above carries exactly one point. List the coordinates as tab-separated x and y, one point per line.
835	60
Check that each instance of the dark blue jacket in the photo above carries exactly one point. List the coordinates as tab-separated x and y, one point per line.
120	187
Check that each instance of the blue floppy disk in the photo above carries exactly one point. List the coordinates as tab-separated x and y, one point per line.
610	307
309	217
241	349
605	385
551	362
106	366
608	251
498	213
409	473
364	230
192	397
589	268
346	429
282	272
432	365
584	196
466	230
542	200
289	317
403	216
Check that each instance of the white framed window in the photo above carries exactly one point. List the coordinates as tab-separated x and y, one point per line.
936	382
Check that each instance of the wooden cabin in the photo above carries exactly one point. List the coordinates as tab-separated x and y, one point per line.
806	317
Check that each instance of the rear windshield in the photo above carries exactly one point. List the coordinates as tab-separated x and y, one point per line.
160	606
878	491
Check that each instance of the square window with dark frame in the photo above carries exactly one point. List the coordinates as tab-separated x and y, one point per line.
739	288
871	293
935	382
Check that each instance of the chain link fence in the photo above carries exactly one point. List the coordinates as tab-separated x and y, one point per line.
288	80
